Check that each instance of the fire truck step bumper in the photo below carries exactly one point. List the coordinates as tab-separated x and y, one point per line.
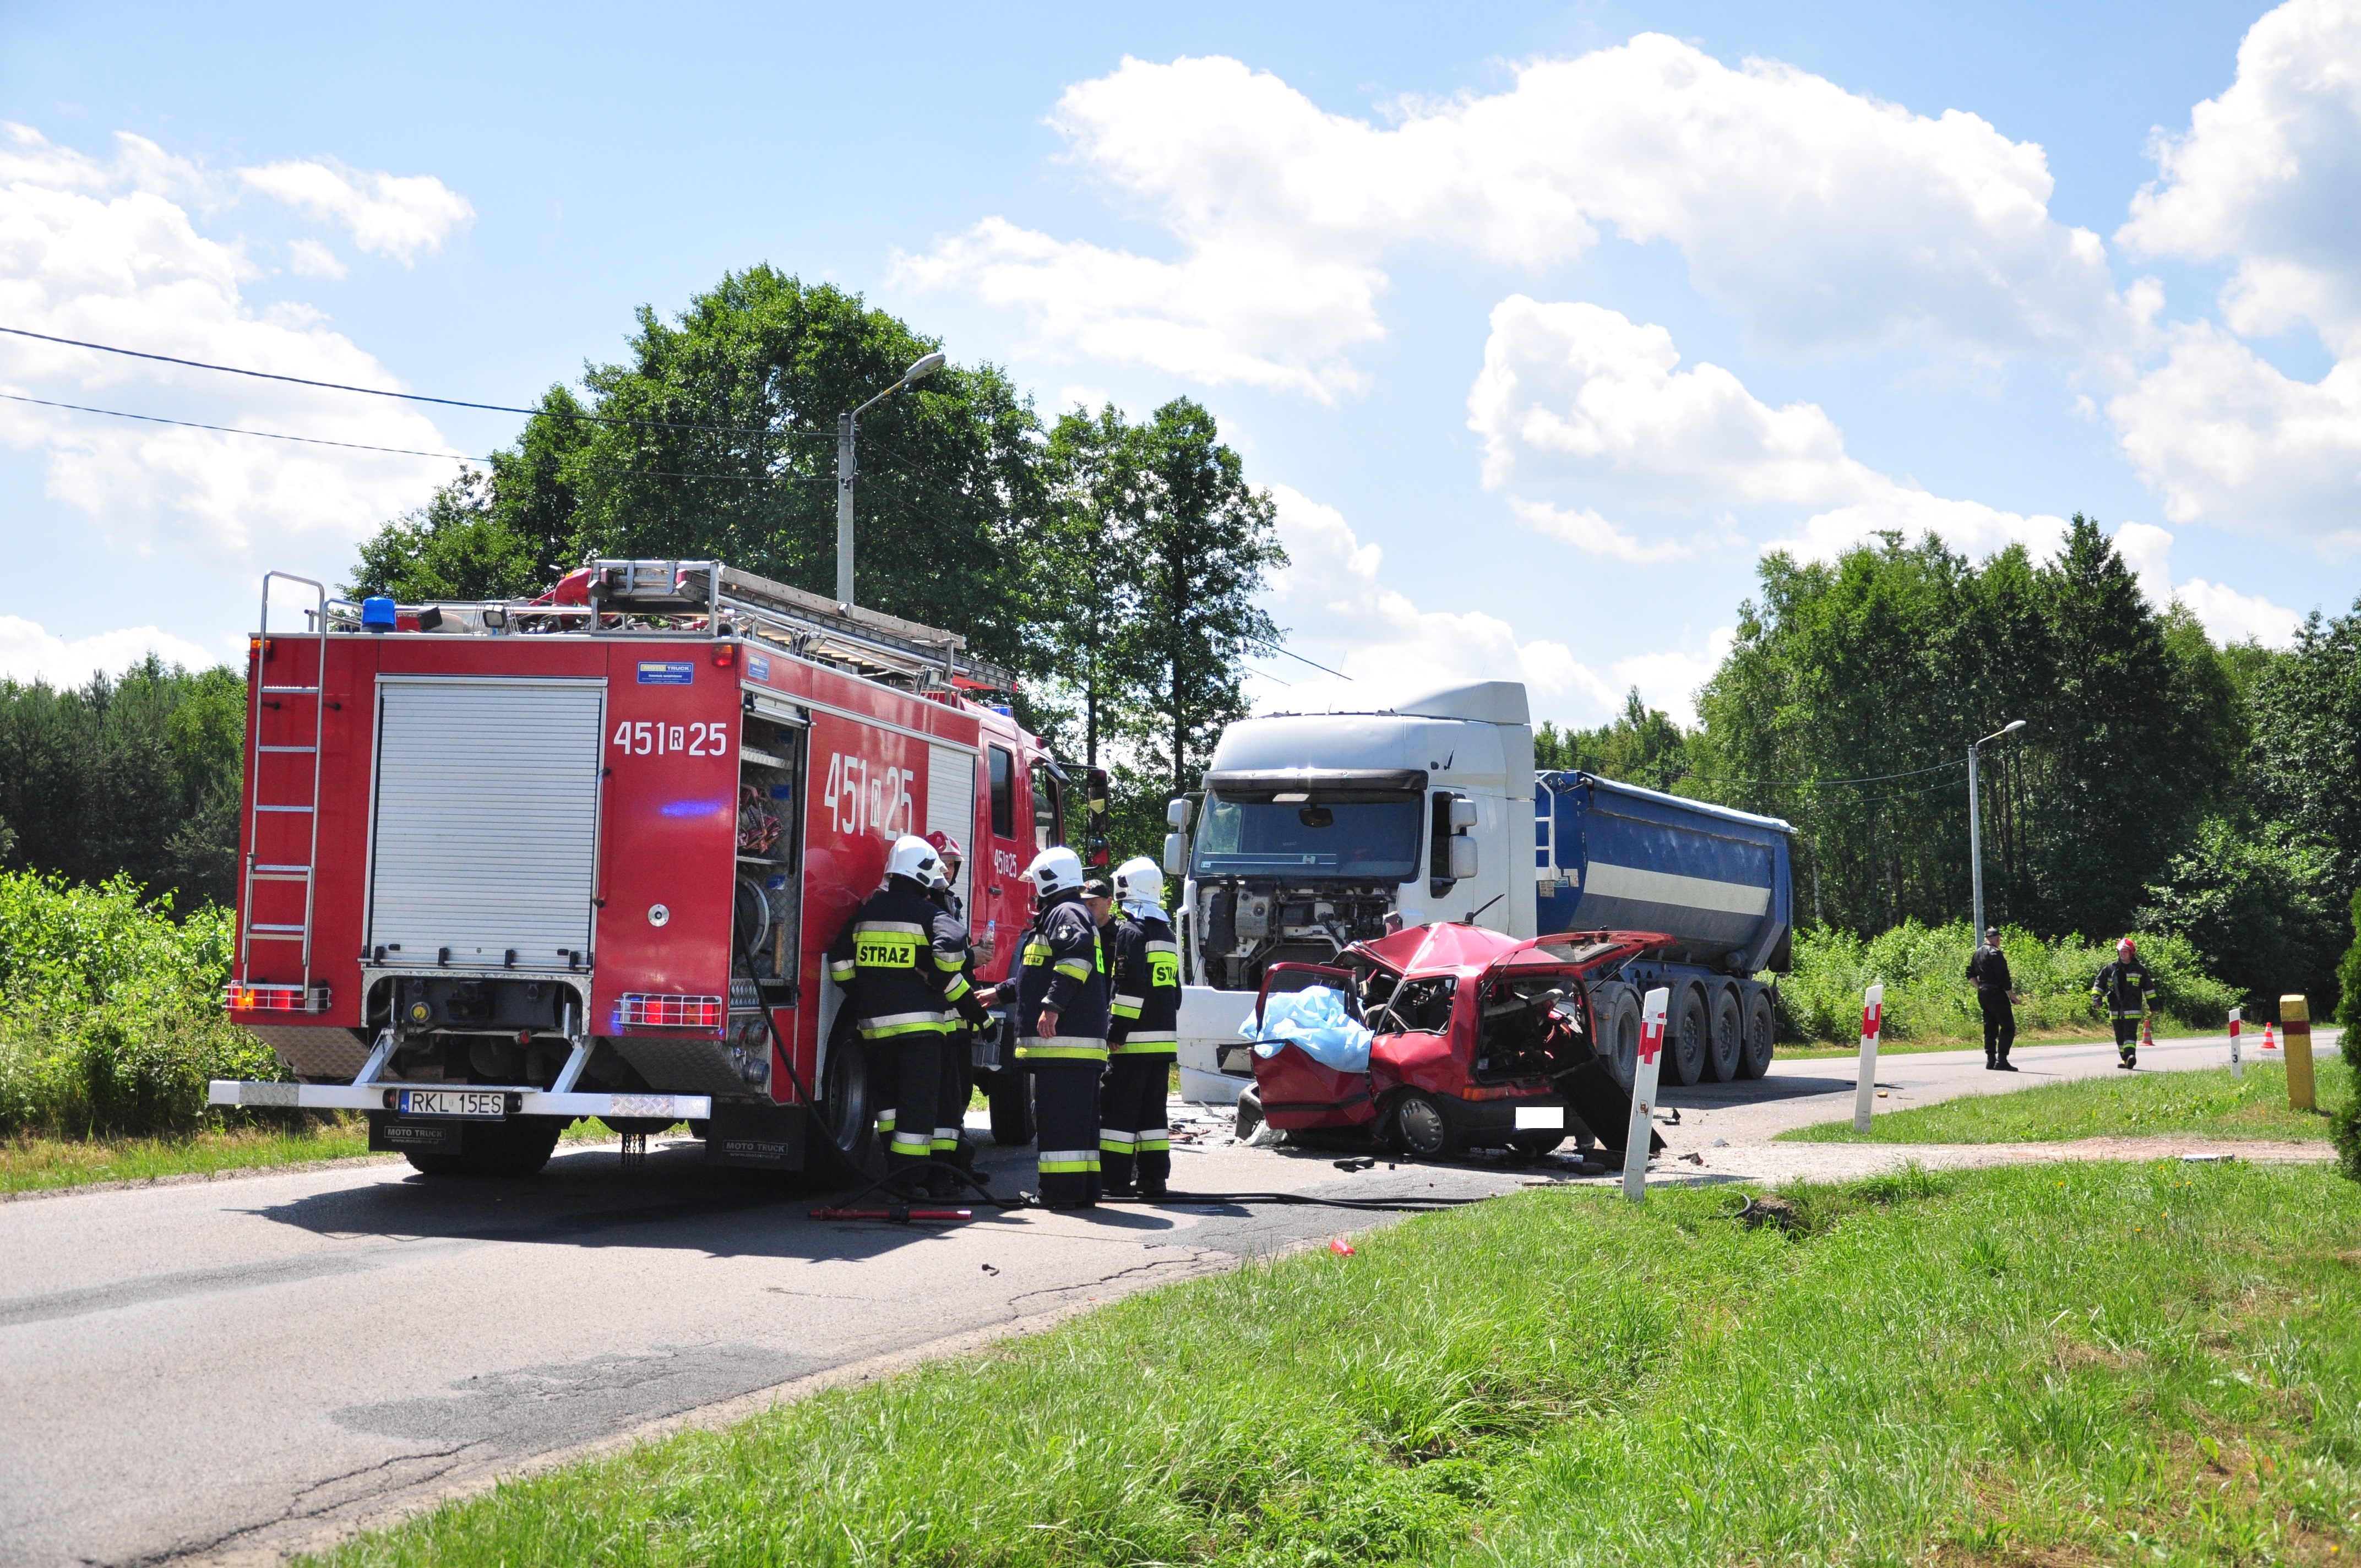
529	1101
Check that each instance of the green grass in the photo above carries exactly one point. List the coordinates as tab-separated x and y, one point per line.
2206	1104
2074	1364
29	1162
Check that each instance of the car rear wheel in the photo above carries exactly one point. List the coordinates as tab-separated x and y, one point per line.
1425	1127
1689	1037
1728	1043
1762	1033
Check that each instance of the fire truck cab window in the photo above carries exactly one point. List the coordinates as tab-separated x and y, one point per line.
1046	831
1003	794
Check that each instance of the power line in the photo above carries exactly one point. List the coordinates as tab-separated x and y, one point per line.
227	430
405	396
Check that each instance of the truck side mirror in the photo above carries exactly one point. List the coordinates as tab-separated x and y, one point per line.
1176	854
1463	849
1176	816
1463	818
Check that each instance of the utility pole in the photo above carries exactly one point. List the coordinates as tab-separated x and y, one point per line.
1975	830
845	425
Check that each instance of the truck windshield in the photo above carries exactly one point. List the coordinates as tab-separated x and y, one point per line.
1370	835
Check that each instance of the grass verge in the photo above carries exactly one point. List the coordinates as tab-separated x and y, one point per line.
2208	1102
31	1162
2075	1363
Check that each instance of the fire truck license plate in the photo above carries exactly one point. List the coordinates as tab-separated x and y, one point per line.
452	1103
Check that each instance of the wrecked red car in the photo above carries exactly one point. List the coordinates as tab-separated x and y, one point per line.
1470	1027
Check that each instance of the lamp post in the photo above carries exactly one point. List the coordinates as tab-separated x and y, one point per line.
844	470
1975	826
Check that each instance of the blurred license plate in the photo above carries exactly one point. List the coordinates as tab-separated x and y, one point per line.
452	1103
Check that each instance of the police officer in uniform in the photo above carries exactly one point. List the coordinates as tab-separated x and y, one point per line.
1061	1027
1988	972
1144	1036
902	963
2128	991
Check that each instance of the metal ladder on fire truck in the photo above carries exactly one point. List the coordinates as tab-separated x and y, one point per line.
259	870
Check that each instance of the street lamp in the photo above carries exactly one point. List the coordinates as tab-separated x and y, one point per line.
1975	825
844	468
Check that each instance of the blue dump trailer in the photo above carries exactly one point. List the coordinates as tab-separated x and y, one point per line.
1613	856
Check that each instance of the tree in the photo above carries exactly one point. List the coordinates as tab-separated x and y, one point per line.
1095	482
1640	745
715	437
2259	910
2307	741
1203	545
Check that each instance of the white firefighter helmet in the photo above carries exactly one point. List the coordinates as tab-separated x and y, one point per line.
914	858
1139	881
1054	870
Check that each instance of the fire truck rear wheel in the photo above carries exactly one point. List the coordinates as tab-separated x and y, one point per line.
497	1148
1010	1096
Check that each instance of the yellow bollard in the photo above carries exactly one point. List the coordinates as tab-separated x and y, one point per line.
2295	1029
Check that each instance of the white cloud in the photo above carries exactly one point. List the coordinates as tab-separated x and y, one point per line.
1971	528
1670	680
2267	175
108	252
29	653
309	259
2233	617
1824	219
1576	392
400	215
2221	435
1594	535
1337	608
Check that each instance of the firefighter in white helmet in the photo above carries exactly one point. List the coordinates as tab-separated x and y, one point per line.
1061	1027
902	962
1143	1036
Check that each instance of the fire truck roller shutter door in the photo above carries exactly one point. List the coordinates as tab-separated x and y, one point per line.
950	803
486	805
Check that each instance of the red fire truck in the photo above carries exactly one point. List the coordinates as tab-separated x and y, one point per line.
508	864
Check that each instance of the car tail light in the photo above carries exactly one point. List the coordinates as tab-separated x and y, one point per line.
252	998
646	1010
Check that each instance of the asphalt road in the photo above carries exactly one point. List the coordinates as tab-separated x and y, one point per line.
235	1369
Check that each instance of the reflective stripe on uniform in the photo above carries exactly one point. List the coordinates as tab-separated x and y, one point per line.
1114	1142
904	1023
1160	947
886	1123
1152	1038
957	988
914	1145
1156	1143
1164	1047
1072	969
1058	1162
841	970
1036	953
946	1139
950	960
1074	1047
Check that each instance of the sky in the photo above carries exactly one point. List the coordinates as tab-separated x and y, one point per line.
1541	323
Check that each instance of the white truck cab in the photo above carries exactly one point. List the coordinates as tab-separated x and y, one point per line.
1314	827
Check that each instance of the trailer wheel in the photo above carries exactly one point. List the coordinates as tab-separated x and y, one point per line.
1618	1030
1423	1127
1689	1037
1761	1032
1727	1044
1009	1095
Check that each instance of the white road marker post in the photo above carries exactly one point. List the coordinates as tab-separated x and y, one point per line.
1644	1074
1872	1021
2237	1022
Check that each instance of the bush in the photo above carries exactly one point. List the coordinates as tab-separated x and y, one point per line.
1923	969
2348	988
110	1010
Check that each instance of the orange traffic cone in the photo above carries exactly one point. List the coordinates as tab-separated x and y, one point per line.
2148	1031
2268	1044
